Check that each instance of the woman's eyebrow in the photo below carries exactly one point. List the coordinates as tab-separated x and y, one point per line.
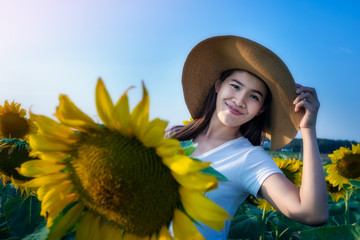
241	84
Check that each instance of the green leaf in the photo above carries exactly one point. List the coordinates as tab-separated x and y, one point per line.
188	146
23	215
250	227
40	233
355	183
336	208
211	171
333	232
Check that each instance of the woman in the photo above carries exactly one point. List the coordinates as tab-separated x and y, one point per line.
238	92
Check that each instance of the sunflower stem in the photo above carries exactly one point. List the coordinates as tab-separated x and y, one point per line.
347	199
262	236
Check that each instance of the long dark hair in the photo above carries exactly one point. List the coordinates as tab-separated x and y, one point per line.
252	130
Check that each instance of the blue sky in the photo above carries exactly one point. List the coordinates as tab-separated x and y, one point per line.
50	47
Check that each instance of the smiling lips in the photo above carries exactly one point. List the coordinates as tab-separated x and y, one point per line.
233	110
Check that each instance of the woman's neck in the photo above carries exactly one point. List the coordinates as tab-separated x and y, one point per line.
217	130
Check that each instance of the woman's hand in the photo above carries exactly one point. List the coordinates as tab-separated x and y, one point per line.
308	100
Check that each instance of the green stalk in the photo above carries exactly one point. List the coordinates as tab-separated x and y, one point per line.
347	198
262	237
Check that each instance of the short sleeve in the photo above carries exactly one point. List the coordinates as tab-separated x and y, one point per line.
258	166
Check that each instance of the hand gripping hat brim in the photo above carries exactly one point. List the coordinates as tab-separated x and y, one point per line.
208	59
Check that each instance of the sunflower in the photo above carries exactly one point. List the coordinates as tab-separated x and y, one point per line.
118	180
13	121
344	166
13	152
186	122
292	169
335	193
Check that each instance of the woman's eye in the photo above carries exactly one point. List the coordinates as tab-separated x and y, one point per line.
255	97
235	86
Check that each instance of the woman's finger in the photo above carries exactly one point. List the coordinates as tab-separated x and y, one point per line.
304	95
303	89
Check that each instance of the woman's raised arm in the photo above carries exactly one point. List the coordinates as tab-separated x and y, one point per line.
309	204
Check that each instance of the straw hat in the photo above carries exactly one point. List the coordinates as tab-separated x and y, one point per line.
211	57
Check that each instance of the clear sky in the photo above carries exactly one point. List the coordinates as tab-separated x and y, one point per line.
49	47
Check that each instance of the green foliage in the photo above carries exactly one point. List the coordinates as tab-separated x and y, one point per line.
19	214
343	222
333	232
188	146
23	215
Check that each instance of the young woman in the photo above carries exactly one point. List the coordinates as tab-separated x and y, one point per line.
237	91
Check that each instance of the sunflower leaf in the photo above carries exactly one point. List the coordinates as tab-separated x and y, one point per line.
211	171
23	215
332	232
249	227
40	233
188	146
355	183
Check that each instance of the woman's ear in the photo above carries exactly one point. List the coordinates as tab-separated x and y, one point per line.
217	85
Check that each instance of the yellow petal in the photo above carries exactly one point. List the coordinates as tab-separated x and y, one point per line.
197	181
22	112
153	237
164	234
72	116
140	115
49	127
168	148
50	156
66	223
182	164
130	236
45	144
47	180
122	115
203	209
89	227
183	227
36	168
55	195
154	133
43	190
57	208
104	105
110	232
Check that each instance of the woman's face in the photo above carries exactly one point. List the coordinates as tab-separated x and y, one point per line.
240	98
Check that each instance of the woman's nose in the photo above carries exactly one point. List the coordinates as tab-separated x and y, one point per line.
239	100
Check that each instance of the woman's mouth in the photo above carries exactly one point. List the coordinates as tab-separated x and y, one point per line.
233	110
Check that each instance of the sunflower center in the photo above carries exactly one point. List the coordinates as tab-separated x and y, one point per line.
331	188
124	181
13	126
349	166
13	153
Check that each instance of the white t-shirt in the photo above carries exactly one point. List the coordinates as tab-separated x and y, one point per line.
246	167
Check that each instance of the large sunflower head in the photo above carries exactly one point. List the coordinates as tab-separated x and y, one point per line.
292	169
121	178
13	121
344	166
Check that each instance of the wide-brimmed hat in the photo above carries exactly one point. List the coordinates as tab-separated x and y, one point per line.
208	59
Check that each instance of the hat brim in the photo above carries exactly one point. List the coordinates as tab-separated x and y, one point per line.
208	59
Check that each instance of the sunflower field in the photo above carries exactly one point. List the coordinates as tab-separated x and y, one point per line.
68	179
256	219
